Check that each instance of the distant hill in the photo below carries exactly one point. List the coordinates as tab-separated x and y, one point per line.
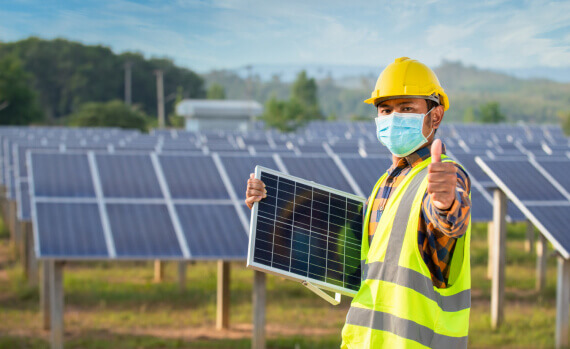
341	94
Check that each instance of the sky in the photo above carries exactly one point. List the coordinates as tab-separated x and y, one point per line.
229	34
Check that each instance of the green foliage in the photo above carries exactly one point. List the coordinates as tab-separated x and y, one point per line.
469	115
216	91
302	107
110	114
18	104
491	113
67	74
305	90
175	120
565	119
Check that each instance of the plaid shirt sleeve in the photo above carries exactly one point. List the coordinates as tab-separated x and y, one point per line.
454	221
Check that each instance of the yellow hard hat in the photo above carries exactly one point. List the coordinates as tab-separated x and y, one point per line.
408	78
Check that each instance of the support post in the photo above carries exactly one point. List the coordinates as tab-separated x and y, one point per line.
24	250
45	294
160	97
490	231
223	296
158	270
529	242
541	259
562	302
33	267
11	222
499	247
56	304
259	293
182	275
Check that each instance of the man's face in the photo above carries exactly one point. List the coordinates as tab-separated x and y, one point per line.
412	105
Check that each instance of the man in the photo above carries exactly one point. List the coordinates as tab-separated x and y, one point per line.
416	280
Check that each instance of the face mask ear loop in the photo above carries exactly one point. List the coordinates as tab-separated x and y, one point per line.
432	123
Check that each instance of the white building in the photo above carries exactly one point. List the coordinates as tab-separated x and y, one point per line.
209	114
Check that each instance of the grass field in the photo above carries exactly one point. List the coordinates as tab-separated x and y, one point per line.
116	305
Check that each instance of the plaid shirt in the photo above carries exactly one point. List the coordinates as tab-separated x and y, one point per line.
437	229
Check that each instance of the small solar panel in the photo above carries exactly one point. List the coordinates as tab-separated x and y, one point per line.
307	232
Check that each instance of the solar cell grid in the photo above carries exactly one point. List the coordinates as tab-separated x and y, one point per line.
308	232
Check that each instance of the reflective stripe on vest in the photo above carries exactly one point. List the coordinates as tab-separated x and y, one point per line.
398	305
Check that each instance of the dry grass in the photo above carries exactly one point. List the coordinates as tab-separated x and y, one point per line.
117	305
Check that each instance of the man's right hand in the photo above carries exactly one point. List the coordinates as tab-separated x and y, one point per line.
255	191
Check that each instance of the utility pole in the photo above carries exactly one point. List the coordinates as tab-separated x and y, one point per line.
128	76
160	97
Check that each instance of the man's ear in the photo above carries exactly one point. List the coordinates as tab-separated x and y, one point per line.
437	116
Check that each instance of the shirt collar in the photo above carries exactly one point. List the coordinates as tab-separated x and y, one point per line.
418	156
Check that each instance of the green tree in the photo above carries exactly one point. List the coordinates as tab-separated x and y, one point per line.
305	90
565	119
491	113
109	114
469	115
18	104
302	107
67	74
216	91
174	119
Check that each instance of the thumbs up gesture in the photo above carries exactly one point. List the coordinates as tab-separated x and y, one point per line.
442	179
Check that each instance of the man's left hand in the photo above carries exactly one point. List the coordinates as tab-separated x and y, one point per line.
442	179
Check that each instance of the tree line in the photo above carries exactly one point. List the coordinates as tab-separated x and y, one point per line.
62	76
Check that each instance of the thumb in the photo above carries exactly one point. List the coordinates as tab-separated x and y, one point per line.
436	151
251	176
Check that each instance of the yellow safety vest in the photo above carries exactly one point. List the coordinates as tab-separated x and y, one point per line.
397	305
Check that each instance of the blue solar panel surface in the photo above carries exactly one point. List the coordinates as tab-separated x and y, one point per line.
142	230
24	213
62	175
128	176
69	229
481	209
213	231
523	183
320	169
556	219
559	169
240	167
195	177
524	180
366	171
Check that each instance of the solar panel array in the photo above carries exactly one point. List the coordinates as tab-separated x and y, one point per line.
133	206
541	189
307	232
346	156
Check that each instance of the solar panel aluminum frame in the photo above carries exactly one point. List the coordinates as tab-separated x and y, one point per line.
314	285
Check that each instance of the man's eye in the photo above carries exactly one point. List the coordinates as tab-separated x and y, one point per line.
407	109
